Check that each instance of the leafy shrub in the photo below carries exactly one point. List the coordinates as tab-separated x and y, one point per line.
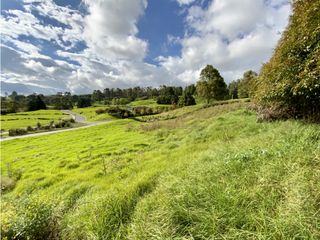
119	112
34	220
100	111
291	79
29	129
45	127
17	132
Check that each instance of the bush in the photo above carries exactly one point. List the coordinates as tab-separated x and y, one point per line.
17	132
29	129
291	78
119	112
45	127
34	220
100	111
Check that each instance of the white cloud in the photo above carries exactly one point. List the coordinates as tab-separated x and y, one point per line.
110	28
185	2
232	35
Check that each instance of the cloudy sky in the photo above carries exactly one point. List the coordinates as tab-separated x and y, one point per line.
81	45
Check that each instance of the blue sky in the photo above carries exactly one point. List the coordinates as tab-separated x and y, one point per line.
82	45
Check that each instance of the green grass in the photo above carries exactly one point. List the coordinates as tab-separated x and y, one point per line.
24	119
210	173
90	114
147	103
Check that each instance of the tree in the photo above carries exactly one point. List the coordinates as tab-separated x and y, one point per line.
84	102
291	78
63	101
211	85
13	95
35	103
246	85
191	89
233	89
97	95
169	95
186	99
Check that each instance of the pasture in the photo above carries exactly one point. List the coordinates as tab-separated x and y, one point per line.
25	119
207	173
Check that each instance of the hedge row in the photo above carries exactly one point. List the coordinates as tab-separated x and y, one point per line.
126	112
22	131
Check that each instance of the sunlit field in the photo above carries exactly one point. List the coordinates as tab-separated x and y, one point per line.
25	119
206	173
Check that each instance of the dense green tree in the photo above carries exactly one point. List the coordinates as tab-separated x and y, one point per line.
63	101
84	102
291	78
246	85
13	95
186	99
211	85
35	102
233	89
191	89
169	95
97	95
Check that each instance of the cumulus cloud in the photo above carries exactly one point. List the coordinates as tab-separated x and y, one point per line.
232	35
185	2
49	48
113	37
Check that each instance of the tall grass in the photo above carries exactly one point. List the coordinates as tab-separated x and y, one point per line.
209	173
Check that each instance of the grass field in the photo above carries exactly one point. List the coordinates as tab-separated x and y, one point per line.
147	103
212	173
90	114
24	119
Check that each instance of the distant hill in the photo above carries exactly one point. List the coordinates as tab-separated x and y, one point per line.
24	89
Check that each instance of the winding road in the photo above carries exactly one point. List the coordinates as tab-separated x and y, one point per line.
77	117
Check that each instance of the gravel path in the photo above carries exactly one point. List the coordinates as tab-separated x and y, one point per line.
77	117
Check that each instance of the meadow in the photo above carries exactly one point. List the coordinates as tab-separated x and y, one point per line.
90	113
31	118
147	103
205	173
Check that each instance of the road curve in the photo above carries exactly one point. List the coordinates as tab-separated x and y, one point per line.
77	117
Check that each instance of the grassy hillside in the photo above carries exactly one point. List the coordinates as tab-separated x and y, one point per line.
147	102
90	114
24	119
210	173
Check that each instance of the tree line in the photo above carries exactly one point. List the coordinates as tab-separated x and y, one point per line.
211	86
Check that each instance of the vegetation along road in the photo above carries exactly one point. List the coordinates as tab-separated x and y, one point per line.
77	117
